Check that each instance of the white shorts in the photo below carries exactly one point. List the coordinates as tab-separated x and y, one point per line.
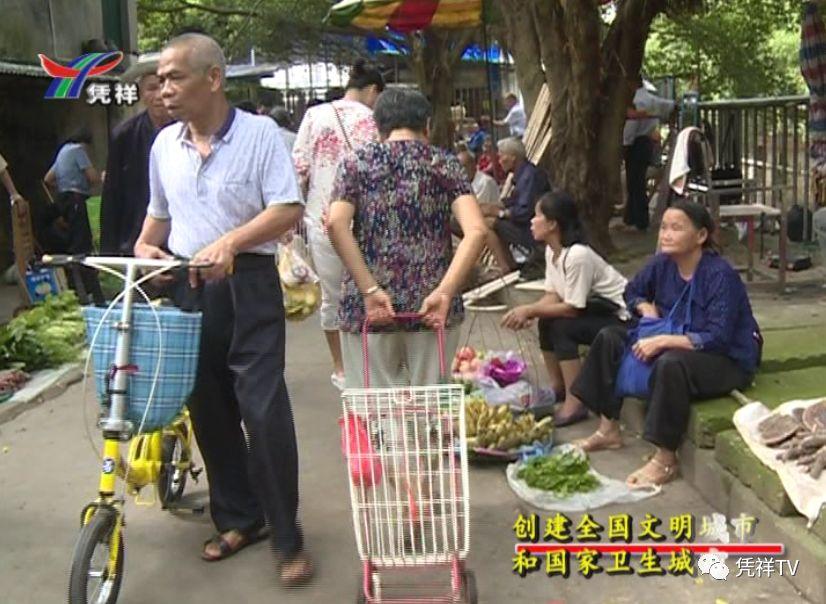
329	269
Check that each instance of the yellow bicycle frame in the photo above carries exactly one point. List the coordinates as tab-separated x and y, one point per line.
108	474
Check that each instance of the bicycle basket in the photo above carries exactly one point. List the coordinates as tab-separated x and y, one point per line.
179	361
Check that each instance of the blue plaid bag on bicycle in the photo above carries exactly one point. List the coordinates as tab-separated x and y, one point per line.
165	360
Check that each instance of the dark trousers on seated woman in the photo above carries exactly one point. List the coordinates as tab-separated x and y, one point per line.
678	378
564	336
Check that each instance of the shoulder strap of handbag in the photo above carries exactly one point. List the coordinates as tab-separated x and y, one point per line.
341	125
688	289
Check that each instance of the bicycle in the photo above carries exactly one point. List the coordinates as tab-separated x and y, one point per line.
153	421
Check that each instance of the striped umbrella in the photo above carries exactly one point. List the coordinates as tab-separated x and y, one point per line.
813	66
406	15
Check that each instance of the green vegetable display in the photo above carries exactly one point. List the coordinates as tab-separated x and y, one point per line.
562	473
47	335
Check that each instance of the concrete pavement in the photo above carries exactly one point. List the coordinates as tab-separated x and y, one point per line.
48	471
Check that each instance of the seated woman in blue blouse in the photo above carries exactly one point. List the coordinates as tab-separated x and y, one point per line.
719	351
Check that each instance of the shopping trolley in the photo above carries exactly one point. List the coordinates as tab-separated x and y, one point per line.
407	461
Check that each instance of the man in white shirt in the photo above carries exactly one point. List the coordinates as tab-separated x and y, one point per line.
484	187
642	120
516	119
222	190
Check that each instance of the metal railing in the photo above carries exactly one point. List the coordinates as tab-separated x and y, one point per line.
767	139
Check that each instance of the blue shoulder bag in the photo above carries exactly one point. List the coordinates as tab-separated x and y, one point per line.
634	374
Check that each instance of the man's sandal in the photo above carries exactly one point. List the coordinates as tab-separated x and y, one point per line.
227	549
296	571
598	441
644	477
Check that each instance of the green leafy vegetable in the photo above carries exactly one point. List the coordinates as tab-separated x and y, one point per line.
562	473
45	336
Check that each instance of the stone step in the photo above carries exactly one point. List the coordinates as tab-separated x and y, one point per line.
792	348
734	455
727	494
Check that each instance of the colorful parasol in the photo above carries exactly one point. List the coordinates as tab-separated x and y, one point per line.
406	15
813	66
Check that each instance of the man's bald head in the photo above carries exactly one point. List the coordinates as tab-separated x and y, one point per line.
203	52
191	70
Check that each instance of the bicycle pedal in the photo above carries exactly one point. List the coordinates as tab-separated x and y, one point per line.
195	473
195	511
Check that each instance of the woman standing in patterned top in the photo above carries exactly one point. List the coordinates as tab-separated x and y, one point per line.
327	132
399	196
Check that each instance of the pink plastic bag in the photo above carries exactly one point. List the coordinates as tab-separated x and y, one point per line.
363	461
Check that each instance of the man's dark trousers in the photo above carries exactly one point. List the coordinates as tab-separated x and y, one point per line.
637	160
241	377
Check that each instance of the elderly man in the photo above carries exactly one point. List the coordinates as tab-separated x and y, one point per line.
512	225
638	138
126	188
516	119
484	187
222	190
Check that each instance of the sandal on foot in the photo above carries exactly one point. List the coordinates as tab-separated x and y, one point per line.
296	571
561	420
227	549
598	441
645	477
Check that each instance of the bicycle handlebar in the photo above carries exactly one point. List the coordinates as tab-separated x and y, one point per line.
119	262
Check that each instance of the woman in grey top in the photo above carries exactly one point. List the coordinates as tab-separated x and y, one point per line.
72	177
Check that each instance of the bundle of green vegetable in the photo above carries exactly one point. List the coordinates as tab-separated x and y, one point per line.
561	473
47	335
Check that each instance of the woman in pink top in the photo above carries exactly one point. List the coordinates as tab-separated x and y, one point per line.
327	133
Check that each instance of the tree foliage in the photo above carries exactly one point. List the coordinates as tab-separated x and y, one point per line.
733	48
270	26
588	55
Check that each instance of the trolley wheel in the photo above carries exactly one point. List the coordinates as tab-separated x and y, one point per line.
471	593
172	479
360	597
90	581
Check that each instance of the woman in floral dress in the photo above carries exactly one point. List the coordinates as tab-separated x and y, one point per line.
327	132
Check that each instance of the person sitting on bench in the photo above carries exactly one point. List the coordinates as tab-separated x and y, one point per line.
511	225
583	295
716	349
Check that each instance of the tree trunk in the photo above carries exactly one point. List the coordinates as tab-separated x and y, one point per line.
523	44
434	55
587	72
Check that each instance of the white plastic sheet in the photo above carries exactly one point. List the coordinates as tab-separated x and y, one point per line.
806	494
610	491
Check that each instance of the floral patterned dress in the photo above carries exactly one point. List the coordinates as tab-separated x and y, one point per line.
403	192
321	143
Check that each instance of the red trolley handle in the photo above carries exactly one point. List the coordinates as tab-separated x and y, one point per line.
401	316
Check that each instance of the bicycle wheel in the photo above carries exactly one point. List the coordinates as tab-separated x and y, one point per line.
90	581
172	478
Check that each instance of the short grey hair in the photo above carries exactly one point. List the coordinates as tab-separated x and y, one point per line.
401	108
205	52
282	116
512	146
